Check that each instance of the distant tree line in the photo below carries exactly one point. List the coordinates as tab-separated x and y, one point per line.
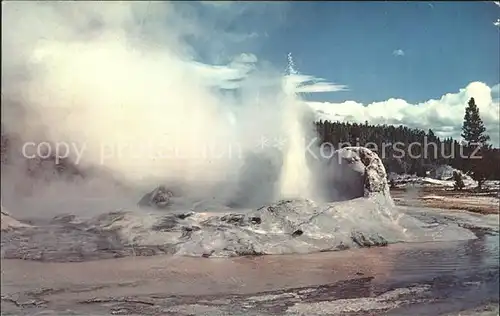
393	144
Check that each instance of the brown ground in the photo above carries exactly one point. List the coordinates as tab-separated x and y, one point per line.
435	197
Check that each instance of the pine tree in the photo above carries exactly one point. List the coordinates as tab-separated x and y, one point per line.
473	132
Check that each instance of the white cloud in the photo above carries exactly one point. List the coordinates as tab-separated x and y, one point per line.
444	116
497	22
300	83
310	84
321	87
398	52
232	75
246	58
226	76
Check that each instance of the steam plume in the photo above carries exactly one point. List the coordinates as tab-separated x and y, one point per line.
119	84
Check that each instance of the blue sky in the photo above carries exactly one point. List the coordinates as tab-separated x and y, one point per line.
415	52
443	46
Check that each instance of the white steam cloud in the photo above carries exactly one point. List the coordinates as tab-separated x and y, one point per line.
119	82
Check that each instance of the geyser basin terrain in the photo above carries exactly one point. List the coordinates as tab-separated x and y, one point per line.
287	226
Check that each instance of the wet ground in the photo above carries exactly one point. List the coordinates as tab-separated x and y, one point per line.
485	202
402	279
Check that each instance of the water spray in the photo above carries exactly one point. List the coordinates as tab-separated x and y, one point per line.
295	174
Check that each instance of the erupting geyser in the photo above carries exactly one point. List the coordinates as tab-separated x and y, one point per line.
140	111
295	178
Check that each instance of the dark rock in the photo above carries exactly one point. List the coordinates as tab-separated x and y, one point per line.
364	240
255	220
236	219
184	215
341	246
158	198
207	255
188	230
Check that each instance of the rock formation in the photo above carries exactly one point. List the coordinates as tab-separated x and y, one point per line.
158	198
354	175
354	172
364	217
367	219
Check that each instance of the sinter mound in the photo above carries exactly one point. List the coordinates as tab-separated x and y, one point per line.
287	226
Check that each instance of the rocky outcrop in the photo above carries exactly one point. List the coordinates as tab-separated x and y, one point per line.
355	176
293	226
354	172
284	227
158	198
